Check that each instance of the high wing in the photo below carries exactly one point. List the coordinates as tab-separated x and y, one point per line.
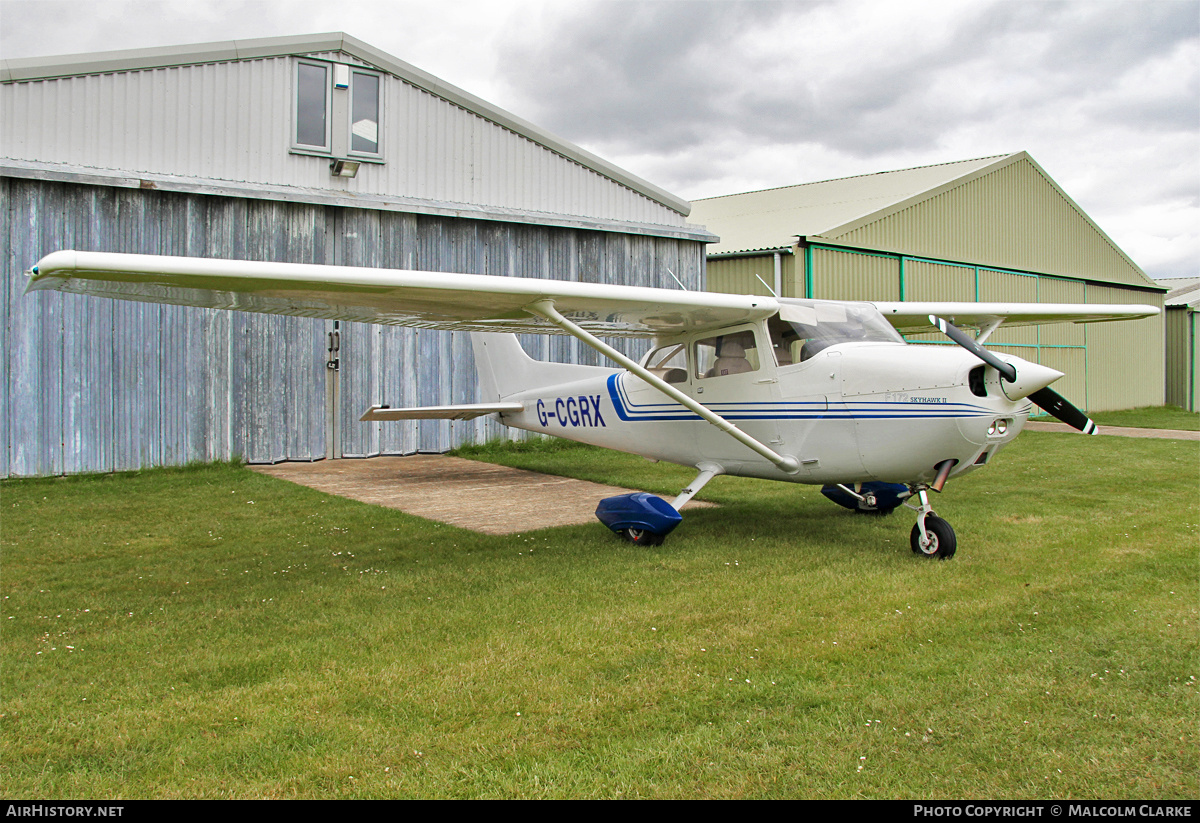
914	317
477	302
470	302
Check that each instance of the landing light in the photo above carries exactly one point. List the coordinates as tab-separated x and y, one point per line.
998	427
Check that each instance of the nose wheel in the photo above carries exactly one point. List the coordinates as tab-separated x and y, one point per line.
938	539
932	536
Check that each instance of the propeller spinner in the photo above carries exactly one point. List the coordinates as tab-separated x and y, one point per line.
1031	381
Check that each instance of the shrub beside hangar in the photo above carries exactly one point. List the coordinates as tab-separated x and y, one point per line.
310	149
996	229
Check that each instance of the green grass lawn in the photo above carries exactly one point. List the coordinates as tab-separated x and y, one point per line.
216	633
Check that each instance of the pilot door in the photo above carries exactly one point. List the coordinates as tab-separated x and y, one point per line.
819	428
733	373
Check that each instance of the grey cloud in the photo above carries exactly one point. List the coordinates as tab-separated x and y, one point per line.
668	77
1080	49
1113	36
1157	113
41	27
635	71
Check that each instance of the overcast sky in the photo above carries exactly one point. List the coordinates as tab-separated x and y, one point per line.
705	98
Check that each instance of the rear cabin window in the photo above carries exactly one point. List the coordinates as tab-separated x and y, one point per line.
668	363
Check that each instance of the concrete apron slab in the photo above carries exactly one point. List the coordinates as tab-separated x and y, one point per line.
466	493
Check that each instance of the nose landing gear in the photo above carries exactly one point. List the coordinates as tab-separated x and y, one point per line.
931	536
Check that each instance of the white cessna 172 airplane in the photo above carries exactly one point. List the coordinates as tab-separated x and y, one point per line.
806	391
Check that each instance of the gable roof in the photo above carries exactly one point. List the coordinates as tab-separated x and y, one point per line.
1001	210
41	68
774	218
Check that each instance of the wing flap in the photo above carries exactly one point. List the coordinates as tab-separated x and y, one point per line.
441	300
464	411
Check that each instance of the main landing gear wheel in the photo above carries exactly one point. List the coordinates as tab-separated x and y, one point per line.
642	537
940	540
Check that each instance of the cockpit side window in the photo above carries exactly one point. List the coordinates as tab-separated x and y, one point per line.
732	353
785	343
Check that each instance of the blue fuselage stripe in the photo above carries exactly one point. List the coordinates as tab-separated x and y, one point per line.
789	410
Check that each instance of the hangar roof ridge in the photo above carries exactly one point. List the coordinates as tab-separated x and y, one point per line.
773	218
47	68
854	177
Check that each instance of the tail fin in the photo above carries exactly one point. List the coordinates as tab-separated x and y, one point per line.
491	350
506	370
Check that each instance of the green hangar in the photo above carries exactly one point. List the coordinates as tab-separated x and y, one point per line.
995	229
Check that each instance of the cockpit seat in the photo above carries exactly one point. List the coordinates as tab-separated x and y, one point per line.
731	359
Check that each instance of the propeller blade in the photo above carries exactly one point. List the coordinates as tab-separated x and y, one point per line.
963	339
1054	403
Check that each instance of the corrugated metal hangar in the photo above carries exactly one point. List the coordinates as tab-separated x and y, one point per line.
993	229
314	149
1183	342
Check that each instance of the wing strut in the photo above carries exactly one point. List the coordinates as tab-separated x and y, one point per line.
545	310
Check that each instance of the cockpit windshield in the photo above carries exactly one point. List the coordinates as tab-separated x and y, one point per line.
802	328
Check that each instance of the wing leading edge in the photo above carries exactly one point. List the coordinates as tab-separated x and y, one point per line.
468	302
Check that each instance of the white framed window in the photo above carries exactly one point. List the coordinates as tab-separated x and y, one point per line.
365	95
312	106
337	110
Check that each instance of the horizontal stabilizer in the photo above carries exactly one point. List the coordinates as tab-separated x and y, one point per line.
464	411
